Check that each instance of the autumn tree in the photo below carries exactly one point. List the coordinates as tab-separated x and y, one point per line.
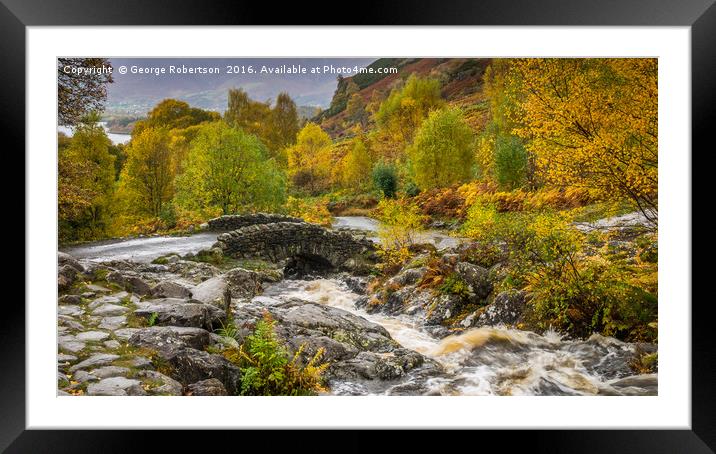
356	110
510	161
229	169
81	87
310	160
442	153
406	108
283	126
501	155
357	165
249	115
85	181
174	114
147	179
593	123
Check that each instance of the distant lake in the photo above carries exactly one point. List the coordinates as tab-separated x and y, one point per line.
115	138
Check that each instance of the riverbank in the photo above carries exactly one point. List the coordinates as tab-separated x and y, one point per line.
131	327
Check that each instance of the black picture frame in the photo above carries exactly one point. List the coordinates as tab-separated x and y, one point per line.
700	15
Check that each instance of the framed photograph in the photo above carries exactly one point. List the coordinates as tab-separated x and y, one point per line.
465	217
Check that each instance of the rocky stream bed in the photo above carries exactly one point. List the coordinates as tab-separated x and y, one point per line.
127	326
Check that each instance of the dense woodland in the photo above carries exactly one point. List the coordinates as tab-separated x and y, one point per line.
509	152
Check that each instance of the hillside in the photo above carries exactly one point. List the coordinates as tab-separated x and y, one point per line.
460	79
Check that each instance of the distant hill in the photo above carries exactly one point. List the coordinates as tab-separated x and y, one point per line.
460	79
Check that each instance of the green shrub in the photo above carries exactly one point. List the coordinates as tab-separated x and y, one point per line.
412	189
267	369
168	215
454	285
385	179
594	297
510	162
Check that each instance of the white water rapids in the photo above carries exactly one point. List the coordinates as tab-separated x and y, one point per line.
486	361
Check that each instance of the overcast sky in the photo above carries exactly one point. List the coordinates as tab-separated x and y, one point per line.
207	90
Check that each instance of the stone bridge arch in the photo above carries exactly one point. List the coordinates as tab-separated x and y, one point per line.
283	242
237	221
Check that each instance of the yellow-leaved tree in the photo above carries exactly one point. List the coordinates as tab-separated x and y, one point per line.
405	109
442	153
592	123
310	159
146	182
357	166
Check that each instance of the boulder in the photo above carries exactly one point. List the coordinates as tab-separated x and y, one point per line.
476	277
70	299
116	386
356	284
129	282
408	276
137	285
209	387
66	259
164	339
354	346
190	365
170	289
442	308
506	309
181	312
242	284
66	276
160	384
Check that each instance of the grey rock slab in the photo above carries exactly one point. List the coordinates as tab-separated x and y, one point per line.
113	323
125	333
82	376
107	299
71	323
115	386
70	344
112	344
110	371
110	310
101	359
70	309
66	358
98	288
92	336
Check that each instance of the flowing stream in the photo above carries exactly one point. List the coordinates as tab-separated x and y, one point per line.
491	361
142	250
478	361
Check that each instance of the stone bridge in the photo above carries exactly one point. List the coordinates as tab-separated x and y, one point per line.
237	221
300	246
